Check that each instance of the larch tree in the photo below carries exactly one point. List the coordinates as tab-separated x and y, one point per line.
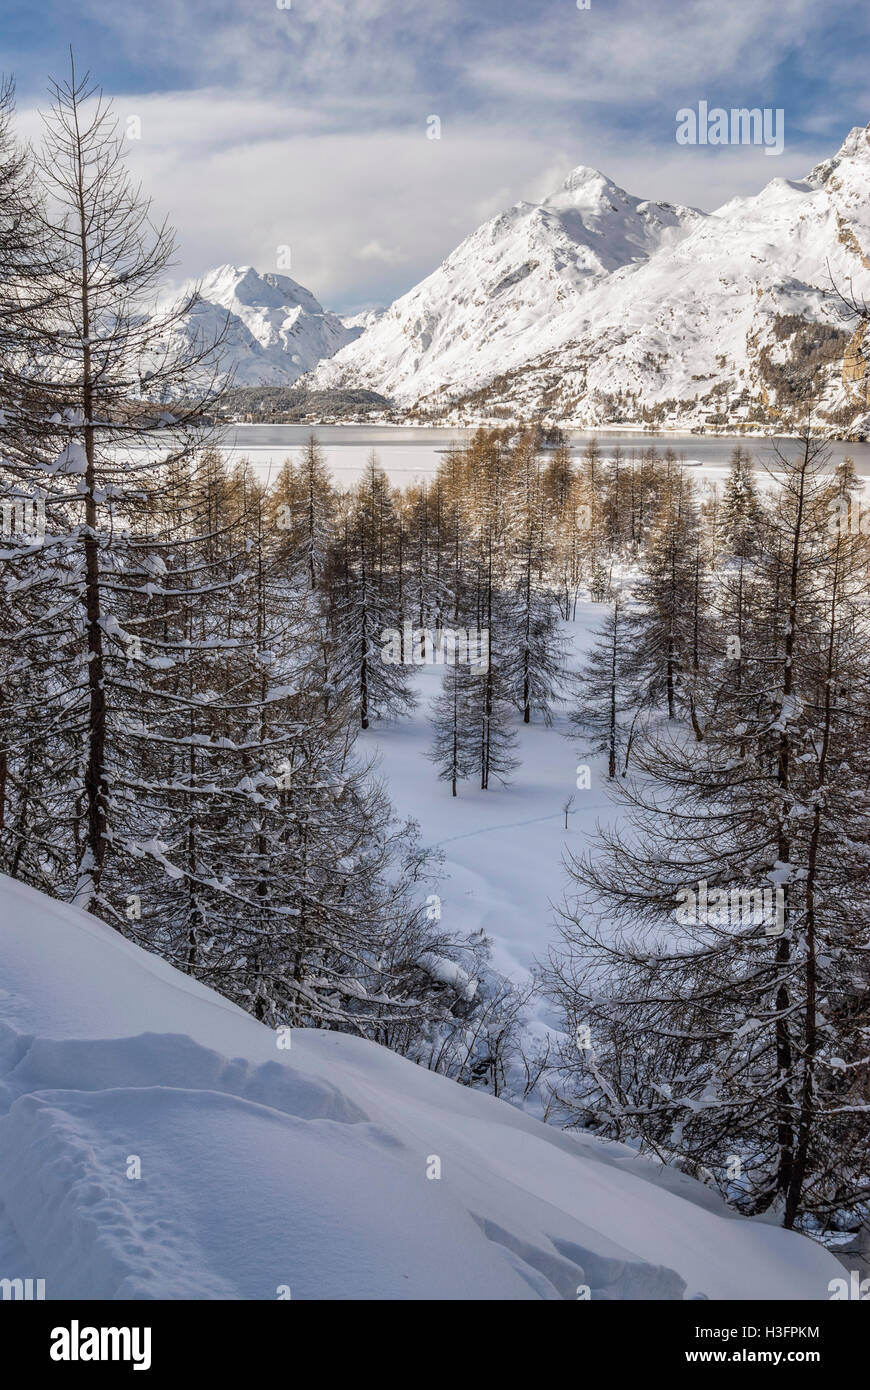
605	691
537	646
717	953
99	454
364	603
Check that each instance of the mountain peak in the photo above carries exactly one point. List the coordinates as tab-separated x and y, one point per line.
582	177
274	328
584	186
855	147
226	275
231	285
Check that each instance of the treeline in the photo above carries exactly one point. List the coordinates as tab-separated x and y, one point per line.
290	404
473	570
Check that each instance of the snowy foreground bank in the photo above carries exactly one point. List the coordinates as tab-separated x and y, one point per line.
307	1168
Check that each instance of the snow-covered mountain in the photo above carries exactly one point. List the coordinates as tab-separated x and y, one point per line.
318	1163
276	330
598	307
505	291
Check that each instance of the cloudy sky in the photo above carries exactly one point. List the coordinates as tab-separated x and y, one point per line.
307	126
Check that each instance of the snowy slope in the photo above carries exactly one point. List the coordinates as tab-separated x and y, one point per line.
358	323
306	1168
276	329
503	848
699	313
485	309
593	293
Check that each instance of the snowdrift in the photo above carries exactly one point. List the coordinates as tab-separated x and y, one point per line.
266	1170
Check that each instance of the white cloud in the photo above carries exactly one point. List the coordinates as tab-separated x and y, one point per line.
367	213
637	52
376	251
307	127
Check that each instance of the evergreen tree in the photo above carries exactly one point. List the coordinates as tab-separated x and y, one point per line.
671	599
740	517
605	689
364	595
303	503
456	716
537	646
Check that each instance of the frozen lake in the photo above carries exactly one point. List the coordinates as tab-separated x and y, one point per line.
408	452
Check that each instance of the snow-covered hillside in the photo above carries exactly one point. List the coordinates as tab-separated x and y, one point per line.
276	329
594	306
264	1168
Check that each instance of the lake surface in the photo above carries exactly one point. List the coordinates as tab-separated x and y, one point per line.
409	452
